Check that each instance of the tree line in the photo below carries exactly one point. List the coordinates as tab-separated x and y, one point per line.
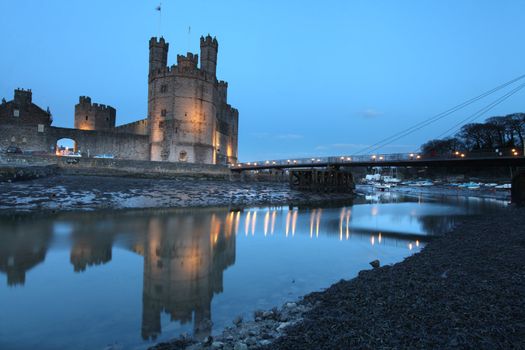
501	132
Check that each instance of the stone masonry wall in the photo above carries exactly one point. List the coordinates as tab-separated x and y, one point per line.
121	145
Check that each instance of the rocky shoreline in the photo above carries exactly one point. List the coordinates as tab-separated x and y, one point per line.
82	193
463	290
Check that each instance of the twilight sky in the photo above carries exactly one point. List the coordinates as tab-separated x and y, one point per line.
308	77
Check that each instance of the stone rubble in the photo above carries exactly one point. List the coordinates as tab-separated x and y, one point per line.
265	327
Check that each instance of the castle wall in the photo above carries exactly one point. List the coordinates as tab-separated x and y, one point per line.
93	142
183	115
140	127
27	137
121	145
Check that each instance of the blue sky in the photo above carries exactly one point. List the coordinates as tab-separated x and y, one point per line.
308	77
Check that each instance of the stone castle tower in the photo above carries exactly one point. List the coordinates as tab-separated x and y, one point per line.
189	118
94	116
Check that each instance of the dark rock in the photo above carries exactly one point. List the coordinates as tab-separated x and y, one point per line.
375	264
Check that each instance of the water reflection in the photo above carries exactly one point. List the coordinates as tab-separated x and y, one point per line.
22	248
184	261
185	254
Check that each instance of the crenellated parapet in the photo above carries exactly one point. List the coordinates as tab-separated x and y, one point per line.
188	61
209	41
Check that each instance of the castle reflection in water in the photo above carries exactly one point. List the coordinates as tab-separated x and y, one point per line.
184	257
185	252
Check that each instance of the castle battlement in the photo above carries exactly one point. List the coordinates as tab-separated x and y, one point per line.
84	102
188	61
157	41
209	41
178	70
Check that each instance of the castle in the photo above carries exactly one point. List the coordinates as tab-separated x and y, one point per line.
189	118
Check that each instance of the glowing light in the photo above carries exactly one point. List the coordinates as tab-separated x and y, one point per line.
341	218
287	223
318	160
349	158
229	223
462	155
254	219
410	246
273	163
249	163
411	155
295	162
347	223
255	164
237	220
318	222
294	221
312	219
417	243
418	156
266	222
381	158
267	162
374	157
247	223
342	158
372	240
288	160
379	237
456	153
274	214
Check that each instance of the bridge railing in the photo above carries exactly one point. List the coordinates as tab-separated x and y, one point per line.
377	158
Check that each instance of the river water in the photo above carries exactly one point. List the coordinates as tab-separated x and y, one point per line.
129	279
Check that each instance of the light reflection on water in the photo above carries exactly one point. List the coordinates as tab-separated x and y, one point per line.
128	278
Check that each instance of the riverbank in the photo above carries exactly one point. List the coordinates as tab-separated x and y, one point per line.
75	192
463	290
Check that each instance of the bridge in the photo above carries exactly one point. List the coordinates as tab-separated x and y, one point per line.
332	173
510	158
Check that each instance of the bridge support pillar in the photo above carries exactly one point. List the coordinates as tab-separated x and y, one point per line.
329	180
518	188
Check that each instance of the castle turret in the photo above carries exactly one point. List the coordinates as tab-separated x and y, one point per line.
209	48
94	116
158	55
